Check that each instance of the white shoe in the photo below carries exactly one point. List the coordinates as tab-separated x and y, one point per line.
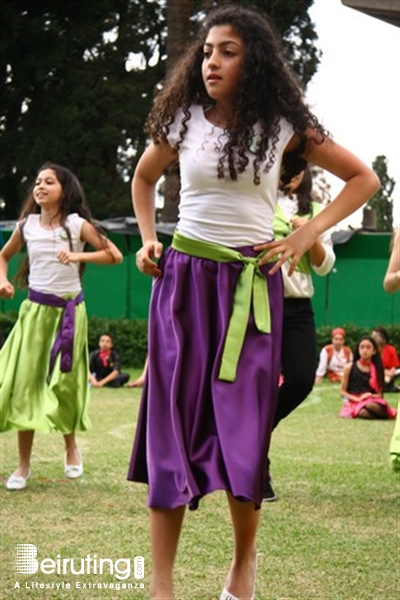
225	595
17	482
73	471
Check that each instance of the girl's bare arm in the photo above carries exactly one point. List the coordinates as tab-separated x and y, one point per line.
105	253
13	246
153	162
360	184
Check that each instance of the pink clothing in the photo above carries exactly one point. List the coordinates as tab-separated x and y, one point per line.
351	408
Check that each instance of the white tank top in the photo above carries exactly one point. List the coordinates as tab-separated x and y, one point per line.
231	213
46	273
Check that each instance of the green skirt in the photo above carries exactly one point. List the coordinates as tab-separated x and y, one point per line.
30	399
395	444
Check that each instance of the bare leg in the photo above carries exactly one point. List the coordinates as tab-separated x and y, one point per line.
73	456
25	443
245	519
165	529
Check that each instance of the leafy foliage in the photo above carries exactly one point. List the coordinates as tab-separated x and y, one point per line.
77	81
131	336
382	202
67	95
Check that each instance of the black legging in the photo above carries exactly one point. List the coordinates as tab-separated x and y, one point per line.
121	379
298	356
298	359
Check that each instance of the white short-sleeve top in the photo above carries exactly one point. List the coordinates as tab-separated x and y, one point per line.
46	273
231	213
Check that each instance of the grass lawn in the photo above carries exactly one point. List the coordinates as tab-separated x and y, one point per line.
333	534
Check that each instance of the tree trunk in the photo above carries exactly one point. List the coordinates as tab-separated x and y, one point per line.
178	16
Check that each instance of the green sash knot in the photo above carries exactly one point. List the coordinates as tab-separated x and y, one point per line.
251	285
282	228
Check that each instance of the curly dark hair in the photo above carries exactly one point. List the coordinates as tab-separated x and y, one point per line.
72	201
303	193
268	90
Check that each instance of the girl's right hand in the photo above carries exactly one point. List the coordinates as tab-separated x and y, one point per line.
150	252
6	290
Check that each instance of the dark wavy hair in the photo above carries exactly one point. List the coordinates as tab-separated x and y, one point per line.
376	358
72	201
303	194
267	90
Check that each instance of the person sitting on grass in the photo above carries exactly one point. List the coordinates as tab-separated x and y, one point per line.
105	365
390	359
334	357
362	384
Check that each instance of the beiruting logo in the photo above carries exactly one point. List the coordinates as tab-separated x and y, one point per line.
27	563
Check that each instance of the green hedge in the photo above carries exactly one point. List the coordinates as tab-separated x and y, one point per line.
130	337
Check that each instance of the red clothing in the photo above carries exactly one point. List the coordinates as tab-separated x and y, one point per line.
389	357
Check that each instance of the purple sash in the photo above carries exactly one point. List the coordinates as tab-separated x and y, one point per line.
65	337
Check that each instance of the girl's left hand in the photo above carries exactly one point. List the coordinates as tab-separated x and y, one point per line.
65	257
291	247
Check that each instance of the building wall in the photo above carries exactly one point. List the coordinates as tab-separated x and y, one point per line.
353	292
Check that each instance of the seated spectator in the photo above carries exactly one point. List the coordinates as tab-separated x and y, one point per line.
105	366
389	356
334	357
362	384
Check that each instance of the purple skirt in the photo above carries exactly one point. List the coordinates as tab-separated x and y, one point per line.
195	433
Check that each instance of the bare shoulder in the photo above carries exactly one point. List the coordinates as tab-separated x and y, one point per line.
347	367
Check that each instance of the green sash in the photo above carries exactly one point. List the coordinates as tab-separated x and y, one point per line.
282	228
251	284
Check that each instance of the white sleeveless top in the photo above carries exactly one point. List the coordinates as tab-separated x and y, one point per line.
46	273
231	213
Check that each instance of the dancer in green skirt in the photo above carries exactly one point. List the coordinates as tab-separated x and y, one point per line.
44	361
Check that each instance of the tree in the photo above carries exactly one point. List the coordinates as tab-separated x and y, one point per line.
77	81
382	201
69	93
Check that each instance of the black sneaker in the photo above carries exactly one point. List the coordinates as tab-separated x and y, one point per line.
268	492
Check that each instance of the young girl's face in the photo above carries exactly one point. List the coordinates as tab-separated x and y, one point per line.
366	350
47	190
223	54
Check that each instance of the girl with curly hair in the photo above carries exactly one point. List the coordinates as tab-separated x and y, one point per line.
232	116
